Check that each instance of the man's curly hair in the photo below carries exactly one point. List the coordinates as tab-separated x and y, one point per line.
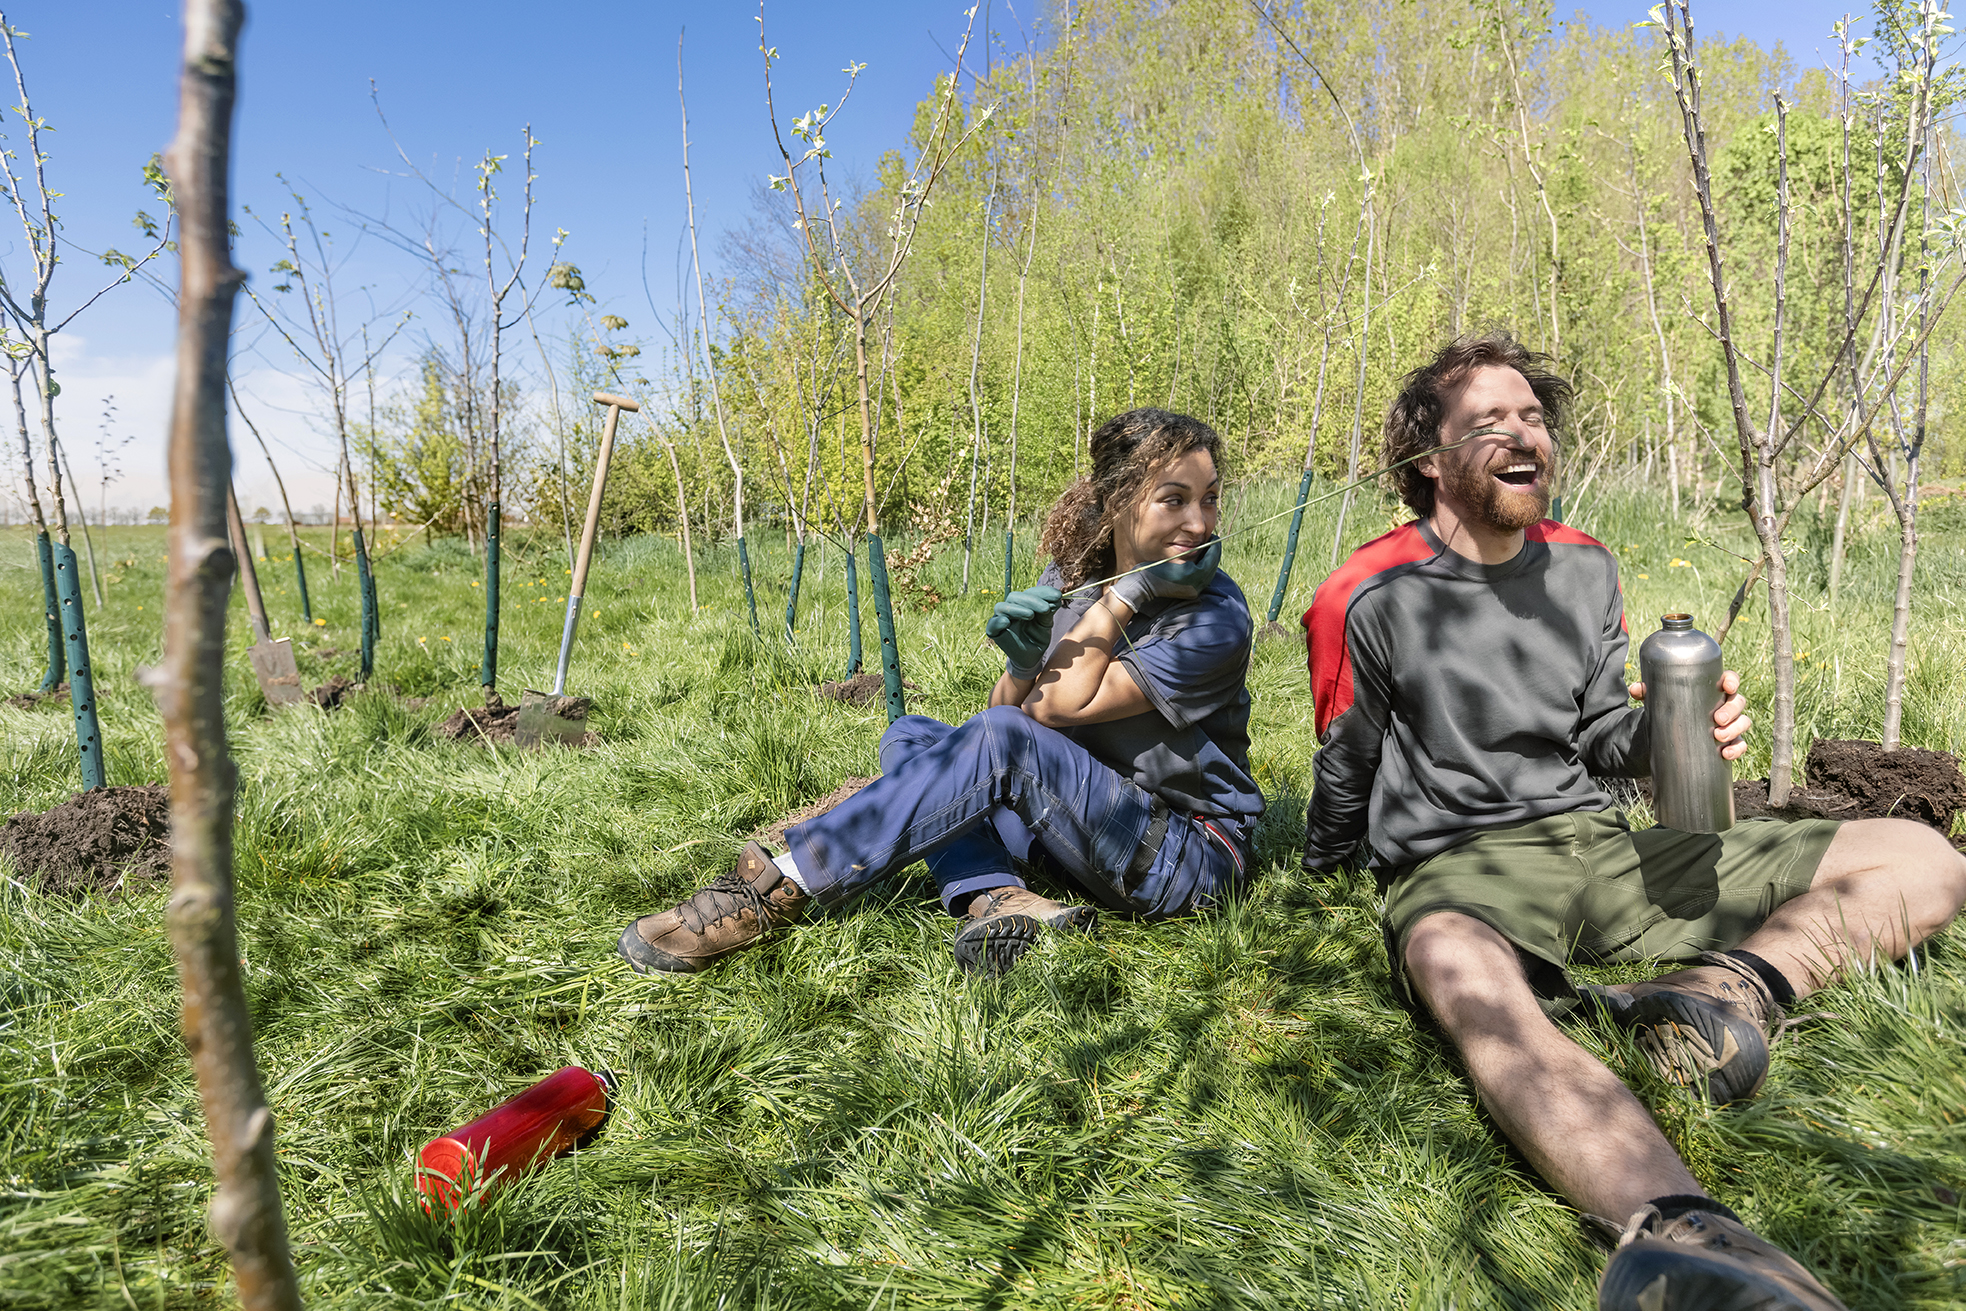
1126	450
1413	422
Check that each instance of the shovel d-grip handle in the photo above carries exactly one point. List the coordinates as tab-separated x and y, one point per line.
560	1112
615	404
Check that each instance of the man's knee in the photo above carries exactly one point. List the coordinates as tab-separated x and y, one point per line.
1913	860
1468	975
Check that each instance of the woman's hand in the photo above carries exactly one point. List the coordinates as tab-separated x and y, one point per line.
1021	626
1731	721
1181	578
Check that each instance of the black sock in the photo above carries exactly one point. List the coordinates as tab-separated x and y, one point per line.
1677	1204
1778	984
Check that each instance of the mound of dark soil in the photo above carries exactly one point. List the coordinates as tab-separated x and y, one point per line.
494	722
860	690
332	693
774	834
1861	780
34	700
1910	781
100	841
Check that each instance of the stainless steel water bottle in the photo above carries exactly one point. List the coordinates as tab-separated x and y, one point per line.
1692	786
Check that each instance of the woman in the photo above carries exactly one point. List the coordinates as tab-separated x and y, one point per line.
1114	754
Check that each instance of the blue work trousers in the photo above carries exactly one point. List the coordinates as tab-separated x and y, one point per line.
1000	792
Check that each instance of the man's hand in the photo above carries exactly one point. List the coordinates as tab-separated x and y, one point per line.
1021	626
1179	579
1730	719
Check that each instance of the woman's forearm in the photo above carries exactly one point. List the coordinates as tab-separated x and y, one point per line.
1011	691
1073	683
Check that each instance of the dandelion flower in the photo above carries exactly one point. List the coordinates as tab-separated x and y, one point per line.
1646	577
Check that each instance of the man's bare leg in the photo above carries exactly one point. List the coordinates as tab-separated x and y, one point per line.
1883	887
1575	1120
1588	1136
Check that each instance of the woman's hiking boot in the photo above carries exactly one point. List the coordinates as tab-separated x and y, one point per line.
1004	923
1703	1261
734	911
1703	1027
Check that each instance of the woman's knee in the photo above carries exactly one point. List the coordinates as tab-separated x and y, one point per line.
908	736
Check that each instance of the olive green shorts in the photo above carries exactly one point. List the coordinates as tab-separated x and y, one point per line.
1584	887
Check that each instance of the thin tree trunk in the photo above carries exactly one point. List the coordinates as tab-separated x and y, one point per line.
1839	539
1906	505
1358	398
44	551
88	538
682	508
246	1214
710	365
975	401
293	530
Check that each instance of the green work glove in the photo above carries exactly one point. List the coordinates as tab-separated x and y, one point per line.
1021	625
1179	579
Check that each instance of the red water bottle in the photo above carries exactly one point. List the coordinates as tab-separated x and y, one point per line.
561	1111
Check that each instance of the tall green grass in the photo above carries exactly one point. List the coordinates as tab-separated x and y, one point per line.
1217	1112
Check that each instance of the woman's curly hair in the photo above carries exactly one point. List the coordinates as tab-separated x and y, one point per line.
1127	449
1414	418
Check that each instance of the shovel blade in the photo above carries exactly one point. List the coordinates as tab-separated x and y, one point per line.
545	718
278	675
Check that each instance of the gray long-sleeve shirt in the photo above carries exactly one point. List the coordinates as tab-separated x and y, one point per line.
1453	696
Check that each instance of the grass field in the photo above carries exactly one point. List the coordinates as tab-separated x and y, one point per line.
1224	1111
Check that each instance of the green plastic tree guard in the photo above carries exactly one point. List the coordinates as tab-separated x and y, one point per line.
1009	548
852	616
750	597
81	684
300	578
488	667
884	617
792	597
1290	547
57	663
371	622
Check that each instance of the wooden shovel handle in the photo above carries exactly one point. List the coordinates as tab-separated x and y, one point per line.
248	576
619	402
615	404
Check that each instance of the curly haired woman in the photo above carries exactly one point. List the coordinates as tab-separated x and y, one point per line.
1113	757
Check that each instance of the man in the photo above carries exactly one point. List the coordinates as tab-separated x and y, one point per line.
1468	672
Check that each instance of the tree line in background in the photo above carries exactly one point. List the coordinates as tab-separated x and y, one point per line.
1260	215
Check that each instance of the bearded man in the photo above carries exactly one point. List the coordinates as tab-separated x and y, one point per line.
1469	677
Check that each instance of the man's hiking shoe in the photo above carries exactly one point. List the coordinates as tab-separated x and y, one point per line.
733	912
1704	1027
1701	1261
1005	922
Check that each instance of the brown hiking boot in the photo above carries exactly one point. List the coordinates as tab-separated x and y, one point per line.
1703	1027
1004	923
734	911
1703	1261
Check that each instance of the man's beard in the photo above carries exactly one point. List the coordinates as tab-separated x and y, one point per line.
1492	503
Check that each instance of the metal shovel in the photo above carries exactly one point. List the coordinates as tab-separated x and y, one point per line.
554	716
273	662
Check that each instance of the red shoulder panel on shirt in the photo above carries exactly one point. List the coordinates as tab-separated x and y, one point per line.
1549	530
1324	623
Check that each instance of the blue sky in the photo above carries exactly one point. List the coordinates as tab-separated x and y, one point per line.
595	79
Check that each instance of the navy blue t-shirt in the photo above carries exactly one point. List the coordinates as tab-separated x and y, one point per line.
1191	659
